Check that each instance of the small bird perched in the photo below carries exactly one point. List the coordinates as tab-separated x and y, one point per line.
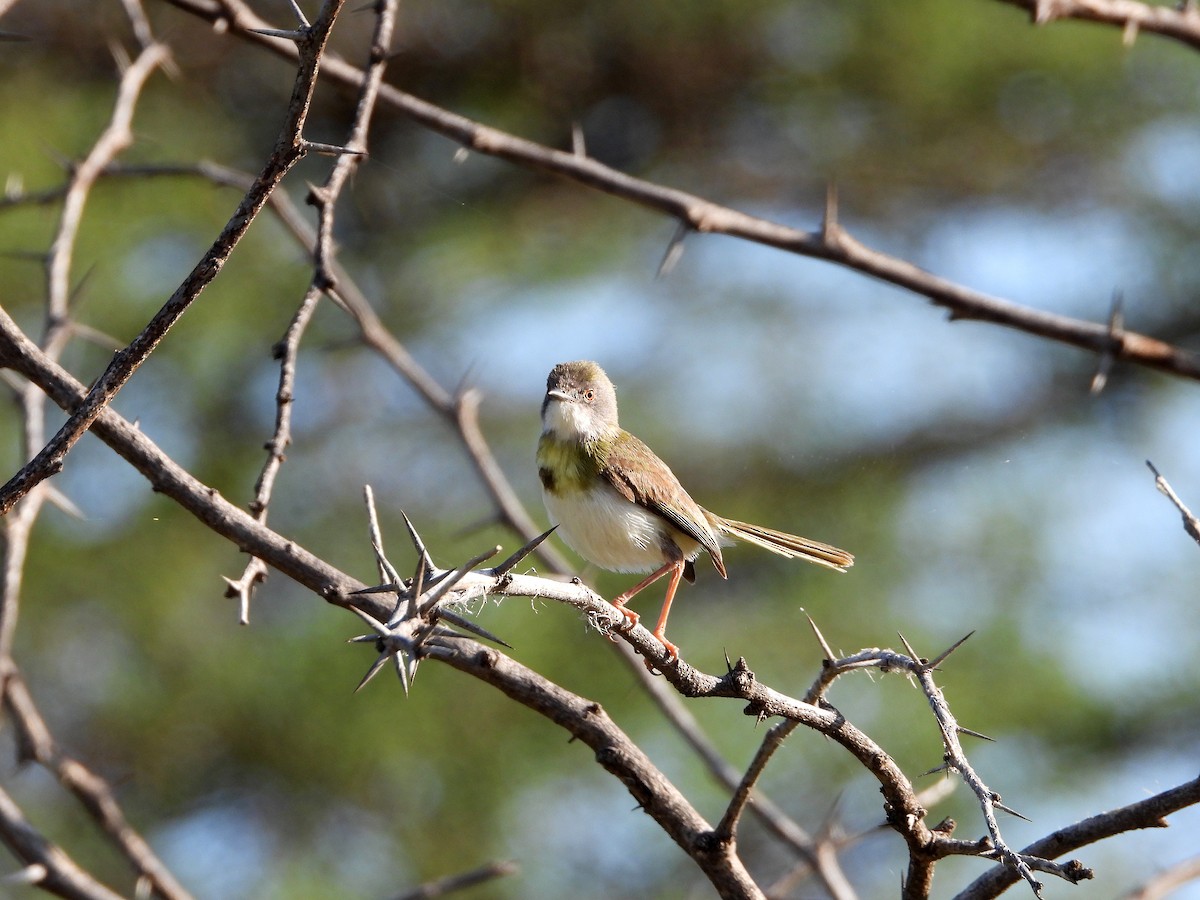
621	508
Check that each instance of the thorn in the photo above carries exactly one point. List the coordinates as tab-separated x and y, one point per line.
407	599
466	395
1011	811
34	873
378	627
373	671
944	767
825	830
1129	33
403	672
378	589
941	657
454	577
825	648
578	146
508	564
1116	322
465	623
417	542
911	652
299	13
674	251
975	734
330	149
829	222
296	35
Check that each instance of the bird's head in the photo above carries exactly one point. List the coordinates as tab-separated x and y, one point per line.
580	403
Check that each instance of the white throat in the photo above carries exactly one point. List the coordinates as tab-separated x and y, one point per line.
569	421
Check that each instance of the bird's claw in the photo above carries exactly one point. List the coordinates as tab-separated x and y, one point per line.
631	620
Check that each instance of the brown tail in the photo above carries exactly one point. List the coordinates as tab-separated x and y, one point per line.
789	545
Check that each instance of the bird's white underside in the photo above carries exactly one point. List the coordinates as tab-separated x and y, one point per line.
612	532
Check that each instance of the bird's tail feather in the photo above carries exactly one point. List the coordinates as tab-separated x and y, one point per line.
789	545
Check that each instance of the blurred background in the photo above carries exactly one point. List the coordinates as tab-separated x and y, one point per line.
979	484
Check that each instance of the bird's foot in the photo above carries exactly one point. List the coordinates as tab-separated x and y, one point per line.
631	618
672	653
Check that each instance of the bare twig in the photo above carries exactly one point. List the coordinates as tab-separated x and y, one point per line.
288	150
775	736
1178	22
48	865
1190	523
1151	812
1167	881
116	138
36	743
448	885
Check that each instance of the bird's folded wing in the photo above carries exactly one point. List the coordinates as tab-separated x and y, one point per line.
640	476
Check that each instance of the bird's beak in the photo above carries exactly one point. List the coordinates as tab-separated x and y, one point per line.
558	395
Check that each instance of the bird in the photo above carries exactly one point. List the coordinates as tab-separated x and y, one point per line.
622	509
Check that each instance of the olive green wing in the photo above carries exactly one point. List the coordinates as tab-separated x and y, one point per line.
638	475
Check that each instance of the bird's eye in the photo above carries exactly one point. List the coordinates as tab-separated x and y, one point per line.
589	395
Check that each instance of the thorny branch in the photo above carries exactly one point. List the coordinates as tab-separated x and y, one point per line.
1180	22
832	242
289	149
902	808
461	409
1151	812
47	866
324	198
413	632
444	644
37	744
1190	523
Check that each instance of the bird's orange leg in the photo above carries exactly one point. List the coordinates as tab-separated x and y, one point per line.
660	630
619	602
675	569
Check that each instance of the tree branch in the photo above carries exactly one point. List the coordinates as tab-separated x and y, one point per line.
832	243
1178	22
36	743
47	865
1148	813
289	149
